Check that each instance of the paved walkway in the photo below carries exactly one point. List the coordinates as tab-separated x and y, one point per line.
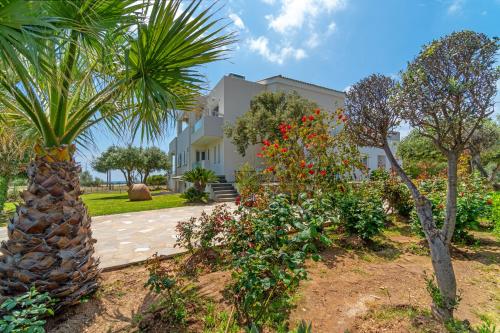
132	237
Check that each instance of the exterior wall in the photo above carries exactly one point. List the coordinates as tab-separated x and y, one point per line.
237	96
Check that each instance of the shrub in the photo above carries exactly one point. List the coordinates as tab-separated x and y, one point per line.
156	181
495	212
25	313
172	309
397	195
307	157
471	205
204	232
361	212
192	194
269	247
4	187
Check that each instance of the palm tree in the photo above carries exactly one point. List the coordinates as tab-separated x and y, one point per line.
66	67
200	177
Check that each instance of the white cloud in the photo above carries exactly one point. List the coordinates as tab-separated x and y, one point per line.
293	13
268	2
331	28
282	53
238	22
456	6
313	40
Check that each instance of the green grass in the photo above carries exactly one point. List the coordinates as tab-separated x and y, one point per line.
116	203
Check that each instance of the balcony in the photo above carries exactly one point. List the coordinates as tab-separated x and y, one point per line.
207	130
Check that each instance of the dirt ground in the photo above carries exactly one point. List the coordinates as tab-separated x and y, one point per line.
353	289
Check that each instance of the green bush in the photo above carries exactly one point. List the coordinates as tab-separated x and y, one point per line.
204	232
25	313
156	181
471	205
4	187
361	212
269	247
192	194
494	203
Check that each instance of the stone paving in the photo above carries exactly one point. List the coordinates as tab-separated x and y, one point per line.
131	237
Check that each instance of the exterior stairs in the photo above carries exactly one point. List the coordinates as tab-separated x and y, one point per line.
224	191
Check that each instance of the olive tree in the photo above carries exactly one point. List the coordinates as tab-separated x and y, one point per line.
446	93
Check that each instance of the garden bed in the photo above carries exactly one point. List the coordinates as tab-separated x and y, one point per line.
361	289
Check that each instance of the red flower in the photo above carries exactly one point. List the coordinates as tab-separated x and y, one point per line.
238	200
311	172
311	136
311	117
302	164
260	155
266	143
304	119
263	148
284	150
317	111
276	145
270	169
323	172
285	137
288	127
310	165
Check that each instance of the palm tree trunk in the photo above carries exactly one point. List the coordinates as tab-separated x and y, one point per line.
50	242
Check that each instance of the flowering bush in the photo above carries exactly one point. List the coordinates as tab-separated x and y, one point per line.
308	157
269	247
204	232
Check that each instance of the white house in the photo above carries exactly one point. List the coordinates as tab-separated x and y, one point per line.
200	139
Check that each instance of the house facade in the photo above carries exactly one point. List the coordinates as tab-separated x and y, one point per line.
200	139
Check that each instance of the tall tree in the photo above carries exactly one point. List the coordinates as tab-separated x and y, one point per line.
66	66
267	111
152	159
447	93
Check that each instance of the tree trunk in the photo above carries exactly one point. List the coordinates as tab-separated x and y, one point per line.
4	189
441	261
440	254
451	198
476	161
50	242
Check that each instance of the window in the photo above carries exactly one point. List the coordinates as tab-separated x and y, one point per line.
364	160
202	155
381	161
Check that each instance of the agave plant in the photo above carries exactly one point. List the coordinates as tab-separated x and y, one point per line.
66	67
200	177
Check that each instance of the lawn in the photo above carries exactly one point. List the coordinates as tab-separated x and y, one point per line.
116	203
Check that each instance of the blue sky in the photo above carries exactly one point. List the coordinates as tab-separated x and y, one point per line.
332	42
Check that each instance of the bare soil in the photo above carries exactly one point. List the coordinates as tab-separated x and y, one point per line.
374	288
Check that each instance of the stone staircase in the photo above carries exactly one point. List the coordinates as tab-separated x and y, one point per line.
224	191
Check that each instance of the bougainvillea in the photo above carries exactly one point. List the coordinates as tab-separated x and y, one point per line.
313	153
